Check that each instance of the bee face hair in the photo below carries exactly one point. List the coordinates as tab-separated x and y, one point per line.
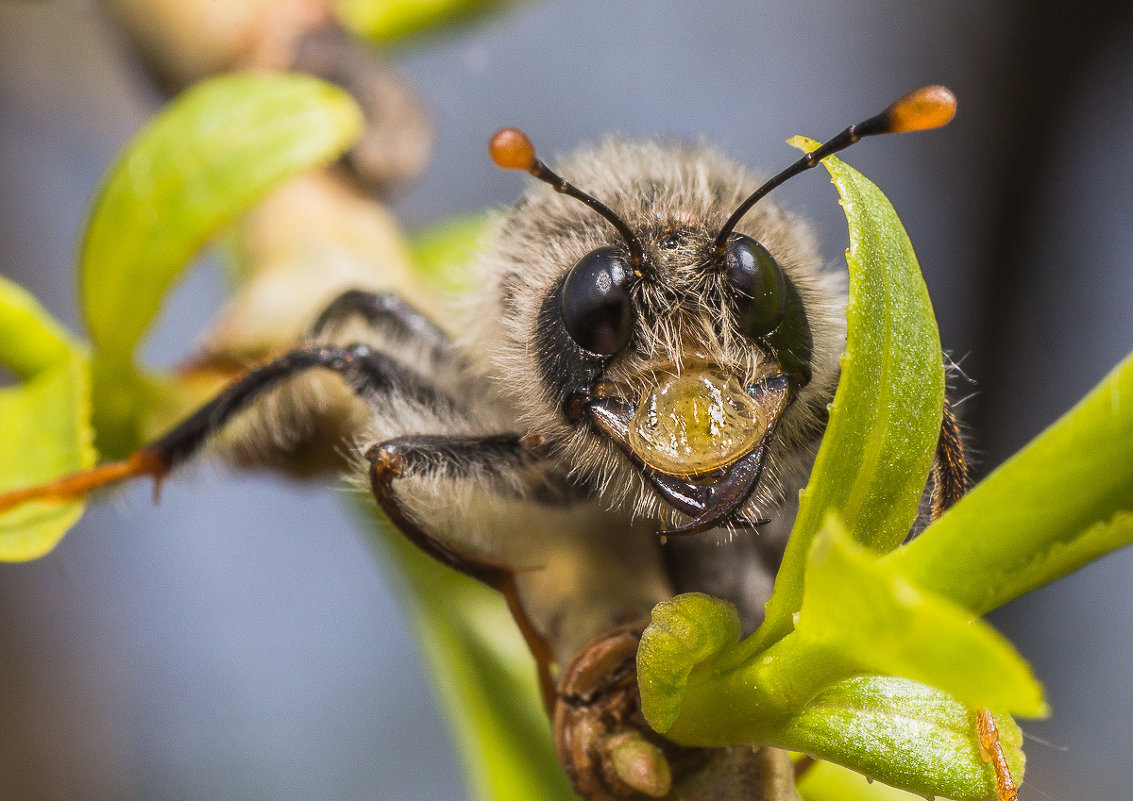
674	198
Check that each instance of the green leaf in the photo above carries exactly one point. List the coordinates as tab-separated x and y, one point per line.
441	252
904	734
825	781
30	340
44	422
683	632
858	616
485	678
204	159
1064	500
885	420
861	611
387	21
207	157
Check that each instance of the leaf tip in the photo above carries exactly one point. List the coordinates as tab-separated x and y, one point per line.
683	632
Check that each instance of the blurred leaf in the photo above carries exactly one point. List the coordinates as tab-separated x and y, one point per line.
1062	501
885	419
443	251
902	733
387	21
44	422
484	675
30	340
204	159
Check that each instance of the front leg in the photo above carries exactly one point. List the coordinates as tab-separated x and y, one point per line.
467	458
387	316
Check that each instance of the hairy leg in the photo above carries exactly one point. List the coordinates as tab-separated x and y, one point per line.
950	467
462	457
385	313
368	372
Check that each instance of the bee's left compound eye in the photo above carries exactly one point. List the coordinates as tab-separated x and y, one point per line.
596	306
758	285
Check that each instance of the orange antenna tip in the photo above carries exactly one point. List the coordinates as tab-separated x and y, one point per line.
922	110
926	108
512	150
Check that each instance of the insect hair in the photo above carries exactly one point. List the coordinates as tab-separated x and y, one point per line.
675	197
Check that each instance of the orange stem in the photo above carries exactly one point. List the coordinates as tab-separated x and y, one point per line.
77	485
991	749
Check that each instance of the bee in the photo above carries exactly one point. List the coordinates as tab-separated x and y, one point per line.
639	382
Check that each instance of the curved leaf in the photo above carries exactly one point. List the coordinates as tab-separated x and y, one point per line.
1064	500
861	611
858	616
30	340
44	422
204	159
389	20
885	420
683	633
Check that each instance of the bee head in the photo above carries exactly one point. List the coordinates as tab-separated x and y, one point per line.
679	346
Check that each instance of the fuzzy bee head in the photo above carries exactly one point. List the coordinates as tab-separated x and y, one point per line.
685	382
677	351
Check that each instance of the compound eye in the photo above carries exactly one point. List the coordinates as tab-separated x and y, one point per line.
758	285
596	307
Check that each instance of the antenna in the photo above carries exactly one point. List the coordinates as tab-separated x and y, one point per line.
512	150
922	110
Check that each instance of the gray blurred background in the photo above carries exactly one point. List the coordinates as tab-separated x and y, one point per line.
241	641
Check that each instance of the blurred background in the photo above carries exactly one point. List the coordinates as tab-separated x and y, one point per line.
241	640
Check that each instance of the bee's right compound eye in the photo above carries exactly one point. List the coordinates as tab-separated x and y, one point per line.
596	306
758	285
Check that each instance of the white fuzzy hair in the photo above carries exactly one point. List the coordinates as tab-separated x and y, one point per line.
655	188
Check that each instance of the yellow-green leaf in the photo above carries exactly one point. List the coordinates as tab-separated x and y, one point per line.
390	20
1063	501
861	611
44	422
683	632
904	734
204	159
441	252
885	420
826	781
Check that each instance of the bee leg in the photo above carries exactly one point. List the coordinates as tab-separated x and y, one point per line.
368	372
455	457
385	312
949	467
